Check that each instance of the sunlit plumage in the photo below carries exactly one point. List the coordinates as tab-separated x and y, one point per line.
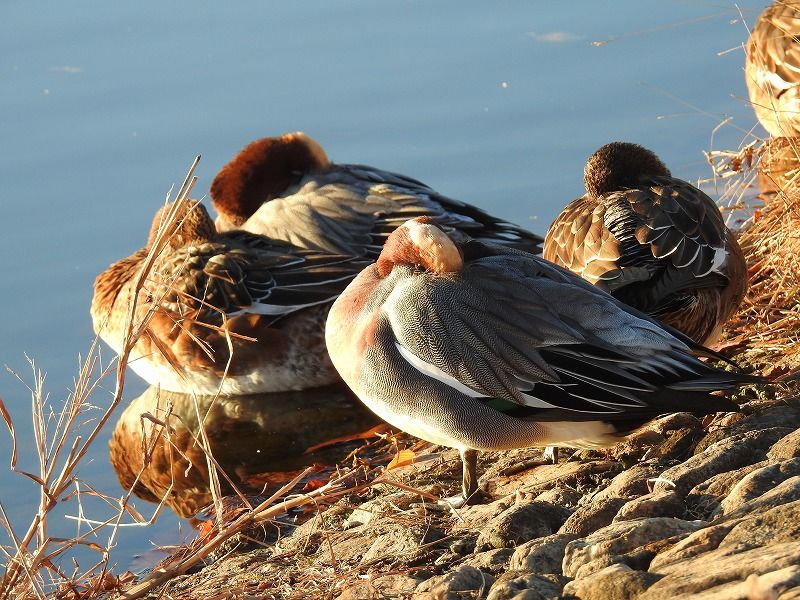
295	229
654	241
209	293
479	347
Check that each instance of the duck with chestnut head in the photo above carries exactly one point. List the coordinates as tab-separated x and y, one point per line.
286	188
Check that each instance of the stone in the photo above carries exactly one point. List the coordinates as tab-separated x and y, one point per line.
402	540
735	563
515	585
593	516
621	538
655	504
758	482
520	523
631	482
492	561
762	527
673	421
785	492
730	453
616	582
703	500
566	497
785	448
383	586
778	415
678	444
703	540
463	582
543	555
757	587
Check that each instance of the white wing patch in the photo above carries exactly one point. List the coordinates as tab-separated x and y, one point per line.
436	373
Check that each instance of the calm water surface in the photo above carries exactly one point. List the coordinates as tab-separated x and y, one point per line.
103	107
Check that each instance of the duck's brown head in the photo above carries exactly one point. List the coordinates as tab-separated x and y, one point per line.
182	222
263	170
620	165
420	243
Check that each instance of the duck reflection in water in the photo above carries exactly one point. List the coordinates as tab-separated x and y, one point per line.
249	436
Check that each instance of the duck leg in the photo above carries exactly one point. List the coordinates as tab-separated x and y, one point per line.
469	478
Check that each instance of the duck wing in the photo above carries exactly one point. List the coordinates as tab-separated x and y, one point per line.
352	209
533	339
239	273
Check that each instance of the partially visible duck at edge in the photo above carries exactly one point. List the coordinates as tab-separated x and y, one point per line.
653	241
772	68
229	313
286	188
479	347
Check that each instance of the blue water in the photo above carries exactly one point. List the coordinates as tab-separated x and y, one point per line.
103	107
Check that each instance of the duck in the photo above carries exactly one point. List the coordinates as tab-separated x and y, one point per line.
260	279
286	188
478	347
652	240
221	313
772	68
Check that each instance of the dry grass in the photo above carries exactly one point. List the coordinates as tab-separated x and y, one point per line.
765	332
30	557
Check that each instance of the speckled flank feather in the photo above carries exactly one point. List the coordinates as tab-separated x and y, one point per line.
506	350
654	241
772	68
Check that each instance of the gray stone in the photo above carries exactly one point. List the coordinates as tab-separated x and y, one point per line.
703	500
630	483
591	517
678	444
759	482
785	448
703	540
757	587
520	523
401	540
717	567
383	586
464	582
655	504
671	422
492	561
621	538
616	582
560	496
728	454
543	555
762	527
778	415
785	492
516	585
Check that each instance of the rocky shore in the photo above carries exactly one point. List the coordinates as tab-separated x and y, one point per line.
682	510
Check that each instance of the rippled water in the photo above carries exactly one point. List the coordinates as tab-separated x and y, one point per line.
104	106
